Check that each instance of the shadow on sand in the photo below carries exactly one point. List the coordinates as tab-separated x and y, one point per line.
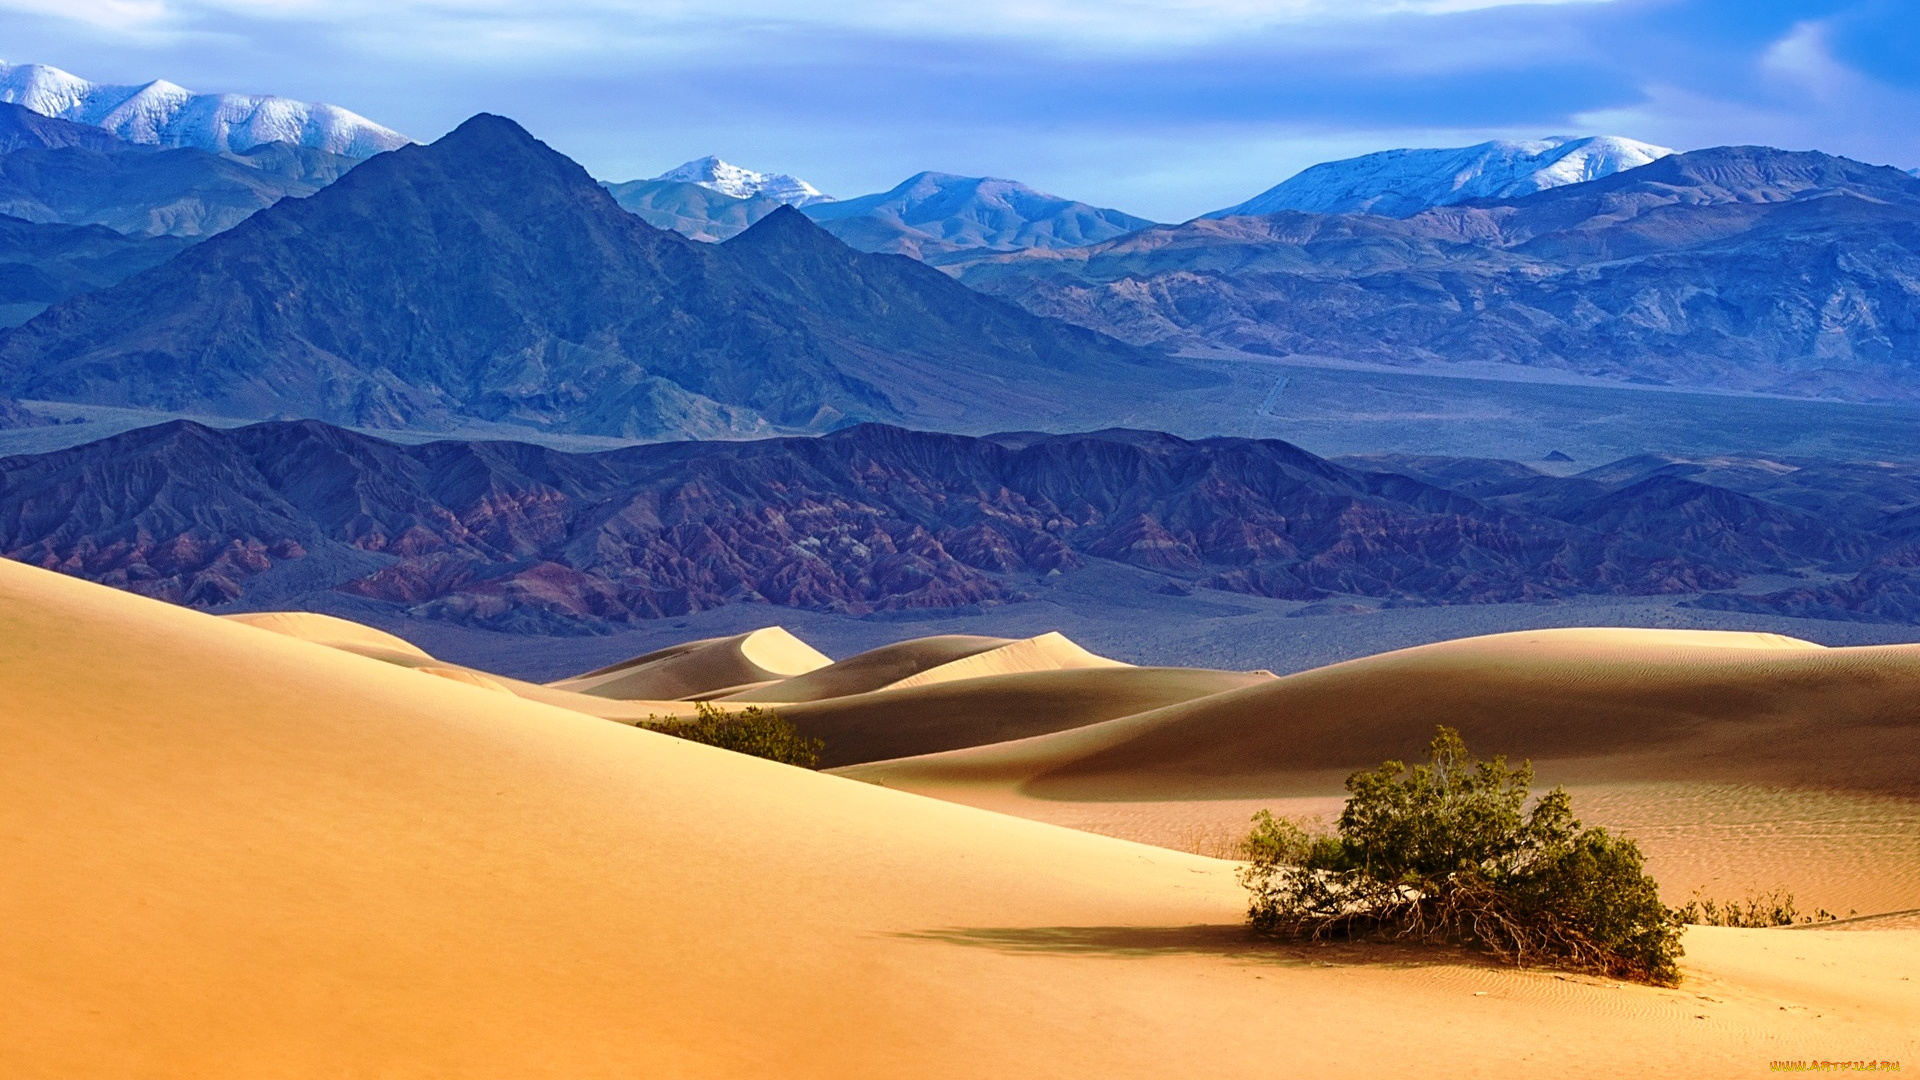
1235	941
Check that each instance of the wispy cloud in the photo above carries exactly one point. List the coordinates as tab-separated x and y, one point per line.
129	15
593	25
1795	93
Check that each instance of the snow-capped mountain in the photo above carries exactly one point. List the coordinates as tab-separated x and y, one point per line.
1401	183
162	114
931	214
727	179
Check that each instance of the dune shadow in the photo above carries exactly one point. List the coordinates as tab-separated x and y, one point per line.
1214	940
1235	941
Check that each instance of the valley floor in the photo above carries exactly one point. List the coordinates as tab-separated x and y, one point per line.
1113	610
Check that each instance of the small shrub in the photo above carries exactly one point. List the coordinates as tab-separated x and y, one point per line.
753	730
1771	909
1449	851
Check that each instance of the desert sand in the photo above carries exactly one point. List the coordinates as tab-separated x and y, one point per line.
238	853
1047	652
1741	763
901	721
873	669
360	640
332	631
699	668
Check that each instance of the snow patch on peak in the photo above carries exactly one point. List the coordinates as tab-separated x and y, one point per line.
161	113
728	179
1401	183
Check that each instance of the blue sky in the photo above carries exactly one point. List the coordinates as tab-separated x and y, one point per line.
1165	108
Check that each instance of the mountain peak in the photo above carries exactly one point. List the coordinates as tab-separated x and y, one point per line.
728	179
1401	183
483	128
935	213
785	226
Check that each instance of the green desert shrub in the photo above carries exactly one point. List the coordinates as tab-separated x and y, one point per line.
753	730
1761	910
1450	851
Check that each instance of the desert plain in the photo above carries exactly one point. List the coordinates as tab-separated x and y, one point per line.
288	845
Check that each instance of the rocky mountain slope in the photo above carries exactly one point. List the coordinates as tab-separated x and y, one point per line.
23	129
519	537
55	171
694	211
43	264
488	277
1740	267
934	214
1401	183
162	114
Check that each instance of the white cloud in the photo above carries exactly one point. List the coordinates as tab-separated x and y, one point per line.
1804	61
1803	98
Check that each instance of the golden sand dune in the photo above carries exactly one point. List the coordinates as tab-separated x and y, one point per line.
873	669
332	631
1608	636
234	854
1047	652
968	712
701	667
1740	763
466	675
360	640
1642	706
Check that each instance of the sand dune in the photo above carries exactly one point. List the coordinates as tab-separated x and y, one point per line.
360	640
1047	652
331	631
1584	706
968	712
1741	763
701	667
234	854
874	668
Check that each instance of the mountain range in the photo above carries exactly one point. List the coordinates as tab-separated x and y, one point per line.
933	216
488	277
1741	268
522	538
1401	183
71	174
928	216
159	113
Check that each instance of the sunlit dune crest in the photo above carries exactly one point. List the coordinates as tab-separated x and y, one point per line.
702	667
874	669
1047	652
331	631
